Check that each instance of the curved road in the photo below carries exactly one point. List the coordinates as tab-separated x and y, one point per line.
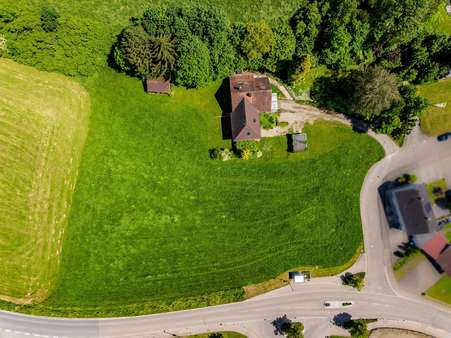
381	297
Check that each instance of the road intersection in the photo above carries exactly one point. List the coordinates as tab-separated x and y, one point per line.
381	297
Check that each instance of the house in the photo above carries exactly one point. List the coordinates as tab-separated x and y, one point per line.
250	95
435	246
158	86
448	9
444	260
412	209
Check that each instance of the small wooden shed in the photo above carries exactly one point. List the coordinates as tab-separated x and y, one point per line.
158	86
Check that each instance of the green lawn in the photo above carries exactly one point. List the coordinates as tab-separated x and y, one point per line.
441	183
441	290
156	225
447	231
437	120
43	125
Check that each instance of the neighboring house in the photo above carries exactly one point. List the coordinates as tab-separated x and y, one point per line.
444	260
250	95
410	206
412	209
435	246
158	86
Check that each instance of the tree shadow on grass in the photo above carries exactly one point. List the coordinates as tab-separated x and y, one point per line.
223	98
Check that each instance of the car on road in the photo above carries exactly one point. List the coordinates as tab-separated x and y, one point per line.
443	137
338	304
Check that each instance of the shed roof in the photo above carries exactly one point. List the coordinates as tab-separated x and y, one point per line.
436	245
444	260
158	86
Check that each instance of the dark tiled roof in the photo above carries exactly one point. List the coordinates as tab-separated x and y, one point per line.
444	260
245	122
250	94
158	86
414	209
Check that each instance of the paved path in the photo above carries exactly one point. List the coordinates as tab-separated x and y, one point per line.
416	136
310	114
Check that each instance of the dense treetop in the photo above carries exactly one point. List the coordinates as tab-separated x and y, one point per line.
195	44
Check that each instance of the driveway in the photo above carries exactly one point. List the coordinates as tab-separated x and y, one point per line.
421	278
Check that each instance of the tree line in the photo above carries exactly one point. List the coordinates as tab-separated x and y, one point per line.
375	50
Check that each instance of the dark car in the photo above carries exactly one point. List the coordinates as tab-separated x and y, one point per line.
443	137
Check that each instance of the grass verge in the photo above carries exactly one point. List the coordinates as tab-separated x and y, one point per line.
406	264
439	184
441	290
436	120
43	126
315	271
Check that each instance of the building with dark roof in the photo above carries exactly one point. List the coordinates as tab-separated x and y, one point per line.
158	86
250	95
412	208
444	260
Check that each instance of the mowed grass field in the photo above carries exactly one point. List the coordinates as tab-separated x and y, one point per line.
441	290
43	124
436	120
156	225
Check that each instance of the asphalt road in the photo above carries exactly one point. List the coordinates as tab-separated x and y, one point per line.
381	297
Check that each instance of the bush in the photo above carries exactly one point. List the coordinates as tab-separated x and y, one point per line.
193	66
268	120
293	329
49	19
356	280
406	179
221	154
248	150
283	124
357	328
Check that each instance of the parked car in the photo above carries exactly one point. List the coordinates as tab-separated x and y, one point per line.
443	137
337	304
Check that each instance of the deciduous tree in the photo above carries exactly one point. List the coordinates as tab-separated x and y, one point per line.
49	19
375	90
258	41
193	66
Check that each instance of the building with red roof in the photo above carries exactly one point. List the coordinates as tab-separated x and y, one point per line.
434	247
250	95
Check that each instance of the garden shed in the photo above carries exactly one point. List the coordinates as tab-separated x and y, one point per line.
158	86
299	141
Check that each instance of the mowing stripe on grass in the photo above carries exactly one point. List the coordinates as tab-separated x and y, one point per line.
43	125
